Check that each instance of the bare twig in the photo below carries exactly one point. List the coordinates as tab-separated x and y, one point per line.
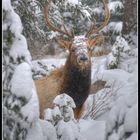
100	105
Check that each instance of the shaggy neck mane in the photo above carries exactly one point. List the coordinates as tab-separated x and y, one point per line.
76	83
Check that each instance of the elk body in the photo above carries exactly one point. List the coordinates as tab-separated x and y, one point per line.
74	78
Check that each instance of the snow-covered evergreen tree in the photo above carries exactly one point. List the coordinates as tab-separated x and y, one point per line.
67	127
61	117
120	52
32	19
20	101
66	105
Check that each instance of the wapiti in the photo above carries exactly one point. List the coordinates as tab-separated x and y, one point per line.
74	78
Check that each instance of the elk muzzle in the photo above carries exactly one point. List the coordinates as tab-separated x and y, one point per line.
82	59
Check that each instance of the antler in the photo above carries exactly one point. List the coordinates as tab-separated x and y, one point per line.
52	27
93	28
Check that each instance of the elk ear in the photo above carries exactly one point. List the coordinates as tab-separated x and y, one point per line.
93	42
64	43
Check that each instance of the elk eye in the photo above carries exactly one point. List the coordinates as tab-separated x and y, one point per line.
73	49
89	49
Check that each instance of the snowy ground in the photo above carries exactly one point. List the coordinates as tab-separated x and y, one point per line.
119	116
91	129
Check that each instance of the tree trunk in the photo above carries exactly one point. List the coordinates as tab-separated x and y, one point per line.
130	16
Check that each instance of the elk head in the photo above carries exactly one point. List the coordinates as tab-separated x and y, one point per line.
80	47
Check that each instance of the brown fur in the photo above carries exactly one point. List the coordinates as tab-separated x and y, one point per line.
48	89
72	79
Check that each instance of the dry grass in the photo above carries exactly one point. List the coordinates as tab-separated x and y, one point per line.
96	86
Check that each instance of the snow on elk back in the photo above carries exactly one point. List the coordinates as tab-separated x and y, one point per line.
74	78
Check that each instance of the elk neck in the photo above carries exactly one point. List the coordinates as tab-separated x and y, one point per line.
76	82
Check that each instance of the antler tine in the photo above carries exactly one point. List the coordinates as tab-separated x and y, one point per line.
66	30
50	24
107	16
73	33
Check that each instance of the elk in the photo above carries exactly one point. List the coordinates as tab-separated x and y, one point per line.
74	78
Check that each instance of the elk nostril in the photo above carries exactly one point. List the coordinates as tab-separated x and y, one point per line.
83	58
